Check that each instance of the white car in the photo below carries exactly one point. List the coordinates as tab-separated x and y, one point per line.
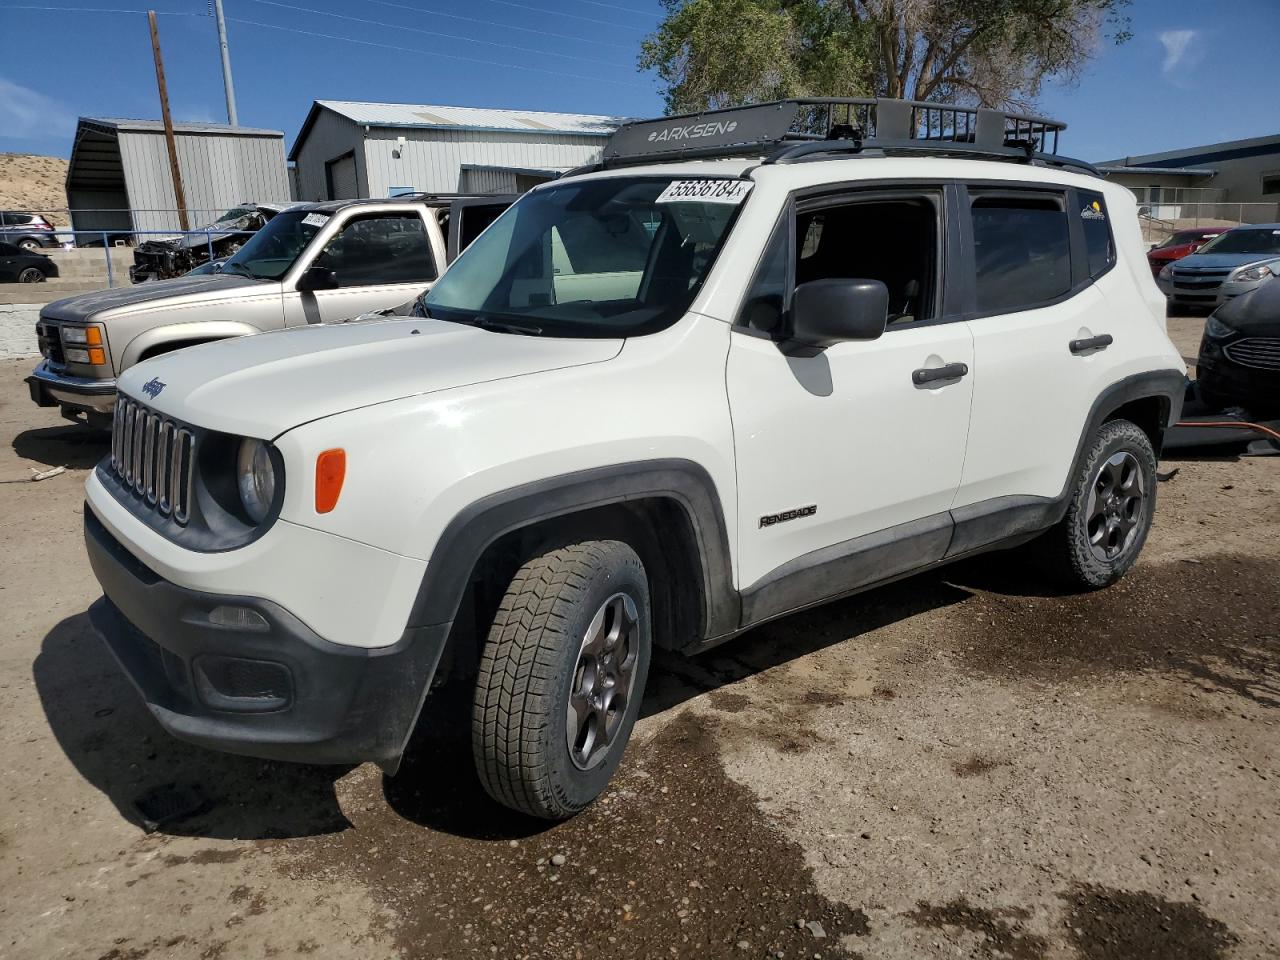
723	376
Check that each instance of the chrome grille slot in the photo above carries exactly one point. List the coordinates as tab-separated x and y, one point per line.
153	456
1261	353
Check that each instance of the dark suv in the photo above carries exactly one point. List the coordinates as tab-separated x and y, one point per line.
30	231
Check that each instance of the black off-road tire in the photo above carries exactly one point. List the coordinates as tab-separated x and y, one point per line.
1066	549
529	665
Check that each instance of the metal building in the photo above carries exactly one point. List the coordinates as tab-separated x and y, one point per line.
348	149
119	177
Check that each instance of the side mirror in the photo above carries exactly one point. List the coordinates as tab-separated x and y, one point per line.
824	312
318	278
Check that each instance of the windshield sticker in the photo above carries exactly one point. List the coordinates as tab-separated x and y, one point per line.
1093	212
705	191
315	219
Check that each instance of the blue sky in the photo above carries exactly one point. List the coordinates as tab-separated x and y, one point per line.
1193	72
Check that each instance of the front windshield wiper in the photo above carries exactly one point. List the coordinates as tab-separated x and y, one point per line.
235	268
492	324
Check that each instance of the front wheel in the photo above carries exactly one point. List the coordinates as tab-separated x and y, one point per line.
1112	505
561	678
30	275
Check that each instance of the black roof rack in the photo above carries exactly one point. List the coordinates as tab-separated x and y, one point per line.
790	131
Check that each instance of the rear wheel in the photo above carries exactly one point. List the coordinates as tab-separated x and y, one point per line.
1111	509
561	678
30	275
29	245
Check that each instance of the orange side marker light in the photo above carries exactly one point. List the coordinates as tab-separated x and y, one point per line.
331	470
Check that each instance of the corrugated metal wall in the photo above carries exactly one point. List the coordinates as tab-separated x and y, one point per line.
432	159
330	137
488	181
218	172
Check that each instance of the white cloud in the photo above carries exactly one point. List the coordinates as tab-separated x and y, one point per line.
28	115
1178	50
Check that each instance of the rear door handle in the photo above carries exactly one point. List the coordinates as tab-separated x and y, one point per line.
1100	342
952	371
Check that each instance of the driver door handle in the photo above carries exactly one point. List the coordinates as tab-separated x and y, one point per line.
1100	342
952	371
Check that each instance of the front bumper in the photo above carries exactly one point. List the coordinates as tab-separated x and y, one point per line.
1224	382
1206	296
50	388
266	686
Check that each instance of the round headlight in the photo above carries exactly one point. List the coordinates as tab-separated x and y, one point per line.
255	478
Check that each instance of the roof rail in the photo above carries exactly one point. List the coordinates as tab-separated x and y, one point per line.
787	131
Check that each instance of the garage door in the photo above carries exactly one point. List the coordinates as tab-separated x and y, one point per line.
341	176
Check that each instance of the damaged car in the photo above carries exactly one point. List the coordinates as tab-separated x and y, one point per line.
161	258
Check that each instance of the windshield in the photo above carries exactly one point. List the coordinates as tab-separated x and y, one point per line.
1265	242
602	258
234	214
270	252
1186	236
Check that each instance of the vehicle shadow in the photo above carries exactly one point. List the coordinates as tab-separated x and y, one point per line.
107	733
73	446
437	786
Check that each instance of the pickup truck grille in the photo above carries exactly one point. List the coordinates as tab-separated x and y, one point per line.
153	456
49	338
1261	353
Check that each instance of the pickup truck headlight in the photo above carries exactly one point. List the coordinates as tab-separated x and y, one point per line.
84	344
255	478
1259	272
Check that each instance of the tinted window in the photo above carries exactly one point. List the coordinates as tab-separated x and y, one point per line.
766	300
17	219
1022	250
1098	245
1246	240
380	249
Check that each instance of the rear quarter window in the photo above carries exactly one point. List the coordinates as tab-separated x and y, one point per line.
1099	245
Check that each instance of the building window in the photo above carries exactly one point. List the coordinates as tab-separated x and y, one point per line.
1271	183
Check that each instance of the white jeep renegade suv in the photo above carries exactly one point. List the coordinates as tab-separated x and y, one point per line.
735	370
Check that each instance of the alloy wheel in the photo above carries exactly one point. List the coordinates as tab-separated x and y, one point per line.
603	680
1117	502
30	275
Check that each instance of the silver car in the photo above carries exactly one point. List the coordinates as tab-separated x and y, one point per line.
1227	266
312	263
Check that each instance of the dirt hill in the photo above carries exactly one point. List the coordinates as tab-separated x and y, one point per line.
32	182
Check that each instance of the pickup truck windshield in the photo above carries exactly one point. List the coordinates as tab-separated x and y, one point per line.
614	257
270	252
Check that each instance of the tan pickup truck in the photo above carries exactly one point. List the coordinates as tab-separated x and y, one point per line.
312	263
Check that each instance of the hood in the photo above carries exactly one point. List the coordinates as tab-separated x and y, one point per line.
261	386
1222	261
1256	313
90	306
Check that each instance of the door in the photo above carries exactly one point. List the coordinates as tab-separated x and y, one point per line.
378	261
340	178
848	458
1036	254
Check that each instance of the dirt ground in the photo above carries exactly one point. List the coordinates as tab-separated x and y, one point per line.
31	181
960	765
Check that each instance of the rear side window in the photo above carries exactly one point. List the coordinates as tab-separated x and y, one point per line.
1022	250
1099	247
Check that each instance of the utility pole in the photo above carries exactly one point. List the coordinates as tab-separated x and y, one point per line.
227	85
178	193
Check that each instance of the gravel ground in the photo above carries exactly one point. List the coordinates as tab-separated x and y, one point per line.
960	765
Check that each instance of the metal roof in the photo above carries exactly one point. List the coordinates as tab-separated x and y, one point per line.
157	126
1162	171
471	118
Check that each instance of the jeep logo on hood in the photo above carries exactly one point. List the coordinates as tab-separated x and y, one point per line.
153	387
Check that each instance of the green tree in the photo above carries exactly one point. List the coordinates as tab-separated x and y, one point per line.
714	53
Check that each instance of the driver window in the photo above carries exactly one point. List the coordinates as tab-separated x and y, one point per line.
380	249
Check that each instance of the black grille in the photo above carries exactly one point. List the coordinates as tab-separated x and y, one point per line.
1262	353
50	340
153	456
